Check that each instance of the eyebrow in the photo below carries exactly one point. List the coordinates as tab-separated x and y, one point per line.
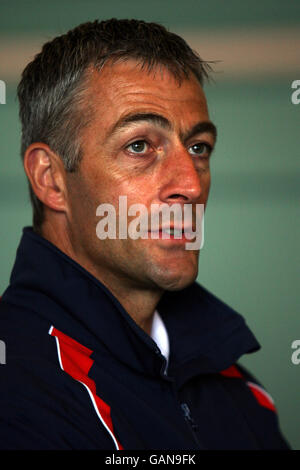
161	121
200	128
132	118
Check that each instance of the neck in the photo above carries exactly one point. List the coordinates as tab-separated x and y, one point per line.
140	303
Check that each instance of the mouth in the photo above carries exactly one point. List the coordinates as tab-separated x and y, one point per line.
179	234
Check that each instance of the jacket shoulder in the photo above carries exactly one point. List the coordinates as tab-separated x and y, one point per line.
256	404
41	407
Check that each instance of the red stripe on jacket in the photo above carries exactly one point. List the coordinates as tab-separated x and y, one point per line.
263	398
75	360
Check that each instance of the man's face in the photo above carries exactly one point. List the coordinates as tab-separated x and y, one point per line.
129	151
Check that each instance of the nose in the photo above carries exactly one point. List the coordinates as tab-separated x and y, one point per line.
182	182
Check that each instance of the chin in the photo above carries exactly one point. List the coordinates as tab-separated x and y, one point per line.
173	281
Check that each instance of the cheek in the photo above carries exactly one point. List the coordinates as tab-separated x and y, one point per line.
82	201
205	187
206	183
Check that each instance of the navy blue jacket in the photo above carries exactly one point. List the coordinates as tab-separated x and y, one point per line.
81	374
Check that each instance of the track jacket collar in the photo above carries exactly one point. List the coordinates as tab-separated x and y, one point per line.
206	336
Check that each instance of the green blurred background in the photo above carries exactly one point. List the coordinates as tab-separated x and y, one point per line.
250	257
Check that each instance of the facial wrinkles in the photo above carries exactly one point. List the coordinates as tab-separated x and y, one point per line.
139	176
123	90
135	177
110	173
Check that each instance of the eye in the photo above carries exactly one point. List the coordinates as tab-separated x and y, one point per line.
138	147
201	149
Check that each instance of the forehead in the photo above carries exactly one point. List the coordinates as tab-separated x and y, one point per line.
125	87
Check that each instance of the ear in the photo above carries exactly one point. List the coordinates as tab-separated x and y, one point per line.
47	176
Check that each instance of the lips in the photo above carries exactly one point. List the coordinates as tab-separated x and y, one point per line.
177	233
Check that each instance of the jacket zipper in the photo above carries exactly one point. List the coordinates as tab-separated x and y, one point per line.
184	407
189	419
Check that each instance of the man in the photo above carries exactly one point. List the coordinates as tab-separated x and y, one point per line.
110	342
